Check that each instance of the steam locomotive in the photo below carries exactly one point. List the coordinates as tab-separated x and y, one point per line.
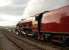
50	25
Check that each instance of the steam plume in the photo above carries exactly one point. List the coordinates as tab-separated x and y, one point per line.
38	6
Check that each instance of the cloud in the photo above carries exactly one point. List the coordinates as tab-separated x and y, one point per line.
19	2
11	13
7	23
1	19
15	8
8	19
37	6
12	10
4	2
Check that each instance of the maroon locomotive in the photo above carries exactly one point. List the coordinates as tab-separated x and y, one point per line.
51	25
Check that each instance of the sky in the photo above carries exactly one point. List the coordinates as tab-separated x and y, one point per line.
11	11
37	6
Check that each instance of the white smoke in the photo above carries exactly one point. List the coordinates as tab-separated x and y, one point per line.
37	6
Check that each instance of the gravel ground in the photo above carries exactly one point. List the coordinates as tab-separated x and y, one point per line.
5	44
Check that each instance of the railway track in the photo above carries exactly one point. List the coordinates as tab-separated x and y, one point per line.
21	44
28	44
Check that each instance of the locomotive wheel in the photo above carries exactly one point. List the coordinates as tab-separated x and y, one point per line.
18	33
34	35
47	37
62	40
65	43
